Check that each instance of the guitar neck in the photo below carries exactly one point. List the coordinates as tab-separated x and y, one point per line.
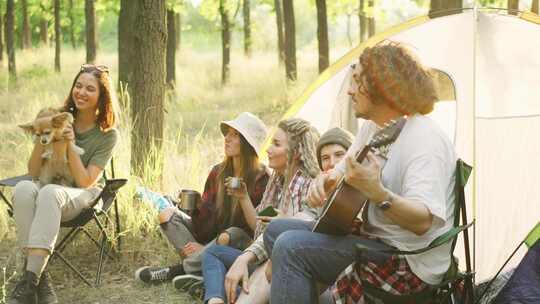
362	154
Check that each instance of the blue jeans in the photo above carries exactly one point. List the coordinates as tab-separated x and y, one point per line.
301	258
216	260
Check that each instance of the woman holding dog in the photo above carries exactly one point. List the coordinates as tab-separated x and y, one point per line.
292	156
39	209
226	214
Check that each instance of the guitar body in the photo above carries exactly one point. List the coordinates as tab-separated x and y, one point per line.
339	214
345	202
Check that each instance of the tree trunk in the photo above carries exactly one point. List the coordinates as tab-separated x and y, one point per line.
57	35
147	106
362	21
247	28
371	19
91	33
290	40
438	8
1	36
280	35
322	35
126	46
44	31
225	42
513	7
534	7
171	49
26	34
71	25
10	38
349	38
178	24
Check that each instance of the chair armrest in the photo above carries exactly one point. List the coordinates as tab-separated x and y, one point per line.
12	181
439	241
108	194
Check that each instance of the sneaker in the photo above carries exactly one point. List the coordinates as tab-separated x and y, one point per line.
186	281
155	275
196	290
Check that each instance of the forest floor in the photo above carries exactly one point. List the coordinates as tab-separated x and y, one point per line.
192	145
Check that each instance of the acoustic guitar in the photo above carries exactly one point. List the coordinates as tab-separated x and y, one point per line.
345	201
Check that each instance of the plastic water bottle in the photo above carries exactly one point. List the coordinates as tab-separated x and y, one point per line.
158	201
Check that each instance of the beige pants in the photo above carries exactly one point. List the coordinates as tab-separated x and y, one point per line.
38	212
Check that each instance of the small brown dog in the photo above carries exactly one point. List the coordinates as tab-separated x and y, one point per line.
47	129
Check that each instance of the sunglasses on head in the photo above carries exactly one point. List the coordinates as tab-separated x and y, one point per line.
101	68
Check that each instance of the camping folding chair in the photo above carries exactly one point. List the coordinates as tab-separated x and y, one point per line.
453	279
78	224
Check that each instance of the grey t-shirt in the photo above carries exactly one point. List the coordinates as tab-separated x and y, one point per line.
98	148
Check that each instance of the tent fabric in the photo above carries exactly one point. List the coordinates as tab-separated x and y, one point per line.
490	57
524	284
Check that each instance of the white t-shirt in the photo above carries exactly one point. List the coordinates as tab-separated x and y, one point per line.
420	166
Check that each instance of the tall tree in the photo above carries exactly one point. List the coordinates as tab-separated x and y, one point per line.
290	40
371	19
362	20
72	25
247	28
57	35
178	30
43	26
534	7
10	38
322	35
1	35
26	40
91	32
171	49
148	94
280	34
225	41
438	8
513	7
126	44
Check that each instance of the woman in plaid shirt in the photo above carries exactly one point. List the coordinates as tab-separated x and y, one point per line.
221	209
292	157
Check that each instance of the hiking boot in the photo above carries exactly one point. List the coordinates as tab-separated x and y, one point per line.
154	275
25	291
45	290
186	282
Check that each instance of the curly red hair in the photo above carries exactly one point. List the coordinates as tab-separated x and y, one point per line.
392	75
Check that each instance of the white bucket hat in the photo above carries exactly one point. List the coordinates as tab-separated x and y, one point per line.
250	126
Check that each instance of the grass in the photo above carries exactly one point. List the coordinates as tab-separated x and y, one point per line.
193	144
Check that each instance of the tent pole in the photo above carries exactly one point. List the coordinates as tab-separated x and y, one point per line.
475	32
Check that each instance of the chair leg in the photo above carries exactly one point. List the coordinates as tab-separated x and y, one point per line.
93	239
79	274
103	251
67	238
117	224
10	207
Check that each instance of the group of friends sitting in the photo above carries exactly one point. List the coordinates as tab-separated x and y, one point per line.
230	250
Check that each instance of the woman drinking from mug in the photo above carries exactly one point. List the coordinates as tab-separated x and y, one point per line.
222	208
292	156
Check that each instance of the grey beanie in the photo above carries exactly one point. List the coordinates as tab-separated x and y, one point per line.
337	136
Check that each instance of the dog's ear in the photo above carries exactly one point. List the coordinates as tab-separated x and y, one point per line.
58	120
27	127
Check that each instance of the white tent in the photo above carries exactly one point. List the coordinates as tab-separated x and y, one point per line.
493	61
